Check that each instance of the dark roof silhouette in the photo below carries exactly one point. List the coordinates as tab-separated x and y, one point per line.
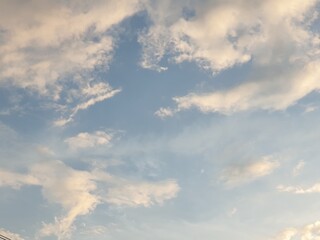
4	237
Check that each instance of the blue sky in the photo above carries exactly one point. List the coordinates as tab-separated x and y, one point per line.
164	119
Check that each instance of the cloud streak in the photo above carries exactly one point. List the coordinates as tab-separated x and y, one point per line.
89	96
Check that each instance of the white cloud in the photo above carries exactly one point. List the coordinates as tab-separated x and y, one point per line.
41	47
155	44
287	234
72	189
299	190
274	35
89	140
164	113
16	180
278	93
215	38
10	235
52	47
142	194
311	231
78	192
308	232
240	174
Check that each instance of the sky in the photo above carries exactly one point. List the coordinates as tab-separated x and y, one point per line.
164	120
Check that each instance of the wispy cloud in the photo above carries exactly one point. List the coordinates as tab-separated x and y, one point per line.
77	192
88	140
142	194
298	168
94	230
239	174
87	97
72	189
164	112
232	212
300	190
278	93
16	180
